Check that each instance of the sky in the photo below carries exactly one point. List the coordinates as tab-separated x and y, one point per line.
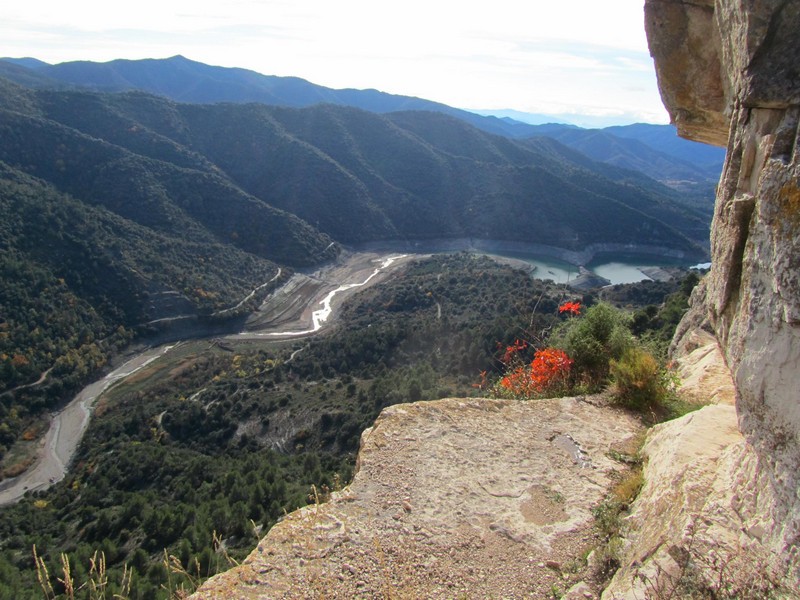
582	58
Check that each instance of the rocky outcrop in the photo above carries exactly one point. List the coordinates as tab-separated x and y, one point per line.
471	498
700	526
699	522
729	73
704	377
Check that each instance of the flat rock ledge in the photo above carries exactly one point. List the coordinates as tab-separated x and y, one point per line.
455	498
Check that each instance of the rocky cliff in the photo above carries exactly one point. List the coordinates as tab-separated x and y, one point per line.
729	73
472	498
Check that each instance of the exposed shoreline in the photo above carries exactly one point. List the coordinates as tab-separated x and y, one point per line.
579	258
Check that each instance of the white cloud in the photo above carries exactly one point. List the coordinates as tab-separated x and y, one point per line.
581	53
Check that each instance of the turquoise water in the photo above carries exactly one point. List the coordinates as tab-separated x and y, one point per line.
620	272
546	267
615	268
622	268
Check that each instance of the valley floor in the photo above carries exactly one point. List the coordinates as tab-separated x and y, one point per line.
282	315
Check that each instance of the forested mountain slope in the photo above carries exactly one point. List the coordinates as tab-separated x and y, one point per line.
356	176
655	149
123	196
118	209
185	80
96	240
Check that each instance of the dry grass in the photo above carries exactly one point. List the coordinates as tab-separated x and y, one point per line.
180	584
627	488
96	586
609	519
716	574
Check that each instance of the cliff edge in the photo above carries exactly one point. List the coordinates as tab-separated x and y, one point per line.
458	498
722	498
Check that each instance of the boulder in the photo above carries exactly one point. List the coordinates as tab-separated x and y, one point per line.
456	498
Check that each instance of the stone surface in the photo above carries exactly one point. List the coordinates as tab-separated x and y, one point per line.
704	377
685	45
452	498
704	498
712	57
728	73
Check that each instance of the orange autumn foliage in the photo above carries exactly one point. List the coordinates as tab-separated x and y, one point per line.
573	308
512	351
547	372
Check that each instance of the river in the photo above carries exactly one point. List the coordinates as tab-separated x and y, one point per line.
66	430
69	424
614	268
320	316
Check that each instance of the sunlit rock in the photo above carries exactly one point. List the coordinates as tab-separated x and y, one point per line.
471	498
728	73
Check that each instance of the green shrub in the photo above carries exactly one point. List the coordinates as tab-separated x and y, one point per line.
593	340
638	379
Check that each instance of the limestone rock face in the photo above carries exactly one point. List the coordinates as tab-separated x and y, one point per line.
470	498
712	56
704	376
685	44
729	73
702	517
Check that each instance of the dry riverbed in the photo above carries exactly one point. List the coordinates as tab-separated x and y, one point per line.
287	313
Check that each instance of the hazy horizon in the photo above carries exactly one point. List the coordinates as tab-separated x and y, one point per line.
581	59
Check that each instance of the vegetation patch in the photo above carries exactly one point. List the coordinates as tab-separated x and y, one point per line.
218	445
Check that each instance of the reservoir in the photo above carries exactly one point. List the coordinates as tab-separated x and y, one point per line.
547	268
616	268
626	268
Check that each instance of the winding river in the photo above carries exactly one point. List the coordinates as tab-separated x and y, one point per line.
69	424
320	316
66	430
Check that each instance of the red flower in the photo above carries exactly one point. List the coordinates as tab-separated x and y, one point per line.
549	366
548	372
570	307
483	383
511	350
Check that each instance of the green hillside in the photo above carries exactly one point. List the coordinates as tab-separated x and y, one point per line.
119	209
245	173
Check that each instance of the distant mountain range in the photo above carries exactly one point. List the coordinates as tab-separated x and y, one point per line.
123	211
188	81
117	209
656	150
354	175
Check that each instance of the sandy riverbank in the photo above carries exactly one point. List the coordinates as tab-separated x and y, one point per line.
287	313
294	309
